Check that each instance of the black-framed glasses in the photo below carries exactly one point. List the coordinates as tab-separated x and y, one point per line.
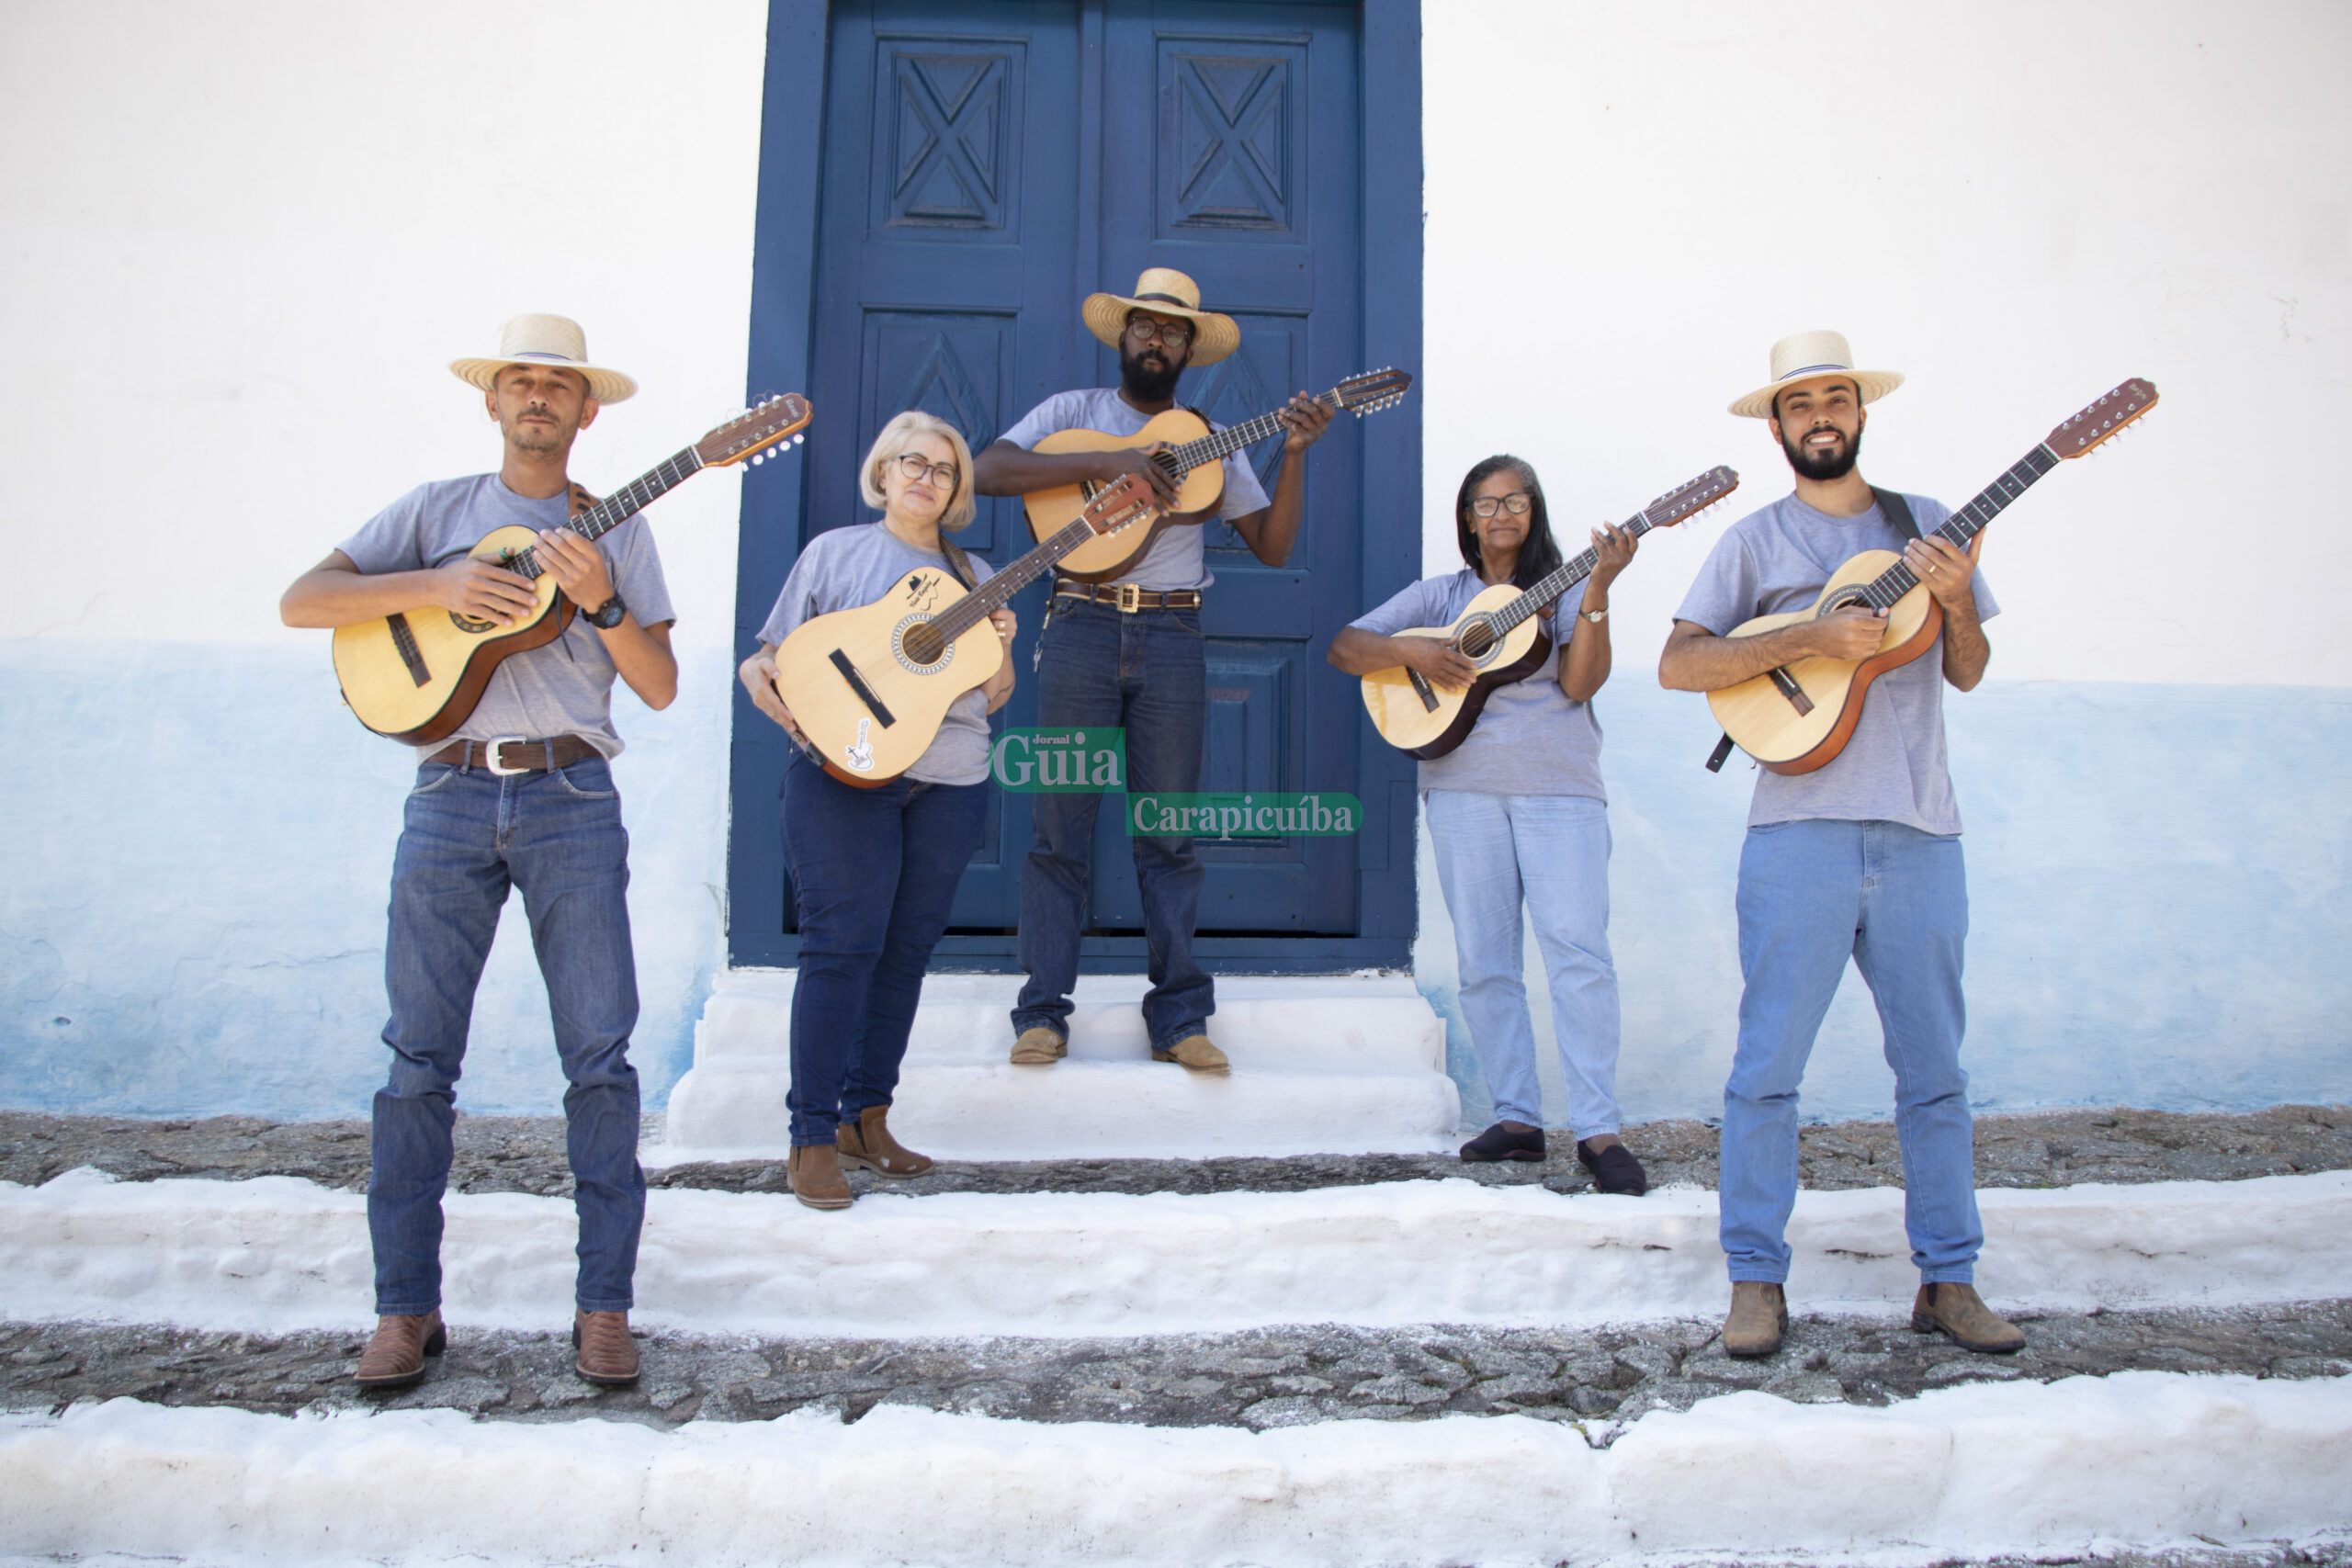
1172	334
1516	503
914	465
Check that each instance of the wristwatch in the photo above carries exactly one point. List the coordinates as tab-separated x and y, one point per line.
608	616
1595	616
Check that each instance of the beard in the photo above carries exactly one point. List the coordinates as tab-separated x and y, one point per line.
1145	385
1823	465
538	439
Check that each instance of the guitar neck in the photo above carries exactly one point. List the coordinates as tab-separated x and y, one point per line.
621	505
1217	445
1570	572
1967	523
999	590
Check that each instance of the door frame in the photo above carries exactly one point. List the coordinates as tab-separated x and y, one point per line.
784	265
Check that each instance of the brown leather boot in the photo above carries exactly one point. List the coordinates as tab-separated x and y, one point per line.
1195	1053
814	1174
395	1354
1759	1315
1038	1047
866	1145
1960	1315
607	1355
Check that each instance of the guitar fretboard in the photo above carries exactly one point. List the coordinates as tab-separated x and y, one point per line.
998	590
1219	444
1554	583
1967	523
618	507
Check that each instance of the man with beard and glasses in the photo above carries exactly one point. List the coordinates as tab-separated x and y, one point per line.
520	796
1129	654
1859	859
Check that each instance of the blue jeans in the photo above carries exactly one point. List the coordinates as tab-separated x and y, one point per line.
1146	673
873	874
1550	852
1896	900
469	835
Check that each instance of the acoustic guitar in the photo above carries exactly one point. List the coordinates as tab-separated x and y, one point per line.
417	674
1499	632
1193	460
870	686
1798	717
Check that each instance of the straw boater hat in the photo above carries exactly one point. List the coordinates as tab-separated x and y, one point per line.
544	340
1164	291
1809	356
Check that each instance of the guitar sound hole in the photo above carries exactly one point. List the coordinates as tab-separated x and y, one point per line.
922	643
1476	639
469	625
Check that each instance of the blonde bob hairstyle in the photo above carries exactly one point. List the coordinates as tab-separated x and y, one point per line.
895	437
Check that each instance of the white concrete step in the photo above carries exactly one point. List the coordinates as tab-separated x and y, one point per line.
2050	1472
1349	1064
280	1253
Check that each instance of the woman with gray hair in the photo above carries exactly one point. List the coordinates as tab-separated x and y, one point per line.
874	871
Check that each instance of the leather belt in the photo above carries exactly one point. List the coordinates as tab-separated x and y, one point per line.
512	754
1126	598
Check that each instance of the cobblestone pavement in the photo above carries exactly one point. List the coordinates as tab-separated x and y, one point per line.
1260	1378
518	1154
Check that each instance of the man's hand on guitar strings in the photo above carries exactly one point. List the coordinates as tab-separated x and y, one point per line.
577	566
479	591
1943	566
1122	461
1305	420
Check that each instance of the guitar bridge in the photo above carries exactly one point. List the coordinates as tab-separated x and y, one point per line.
404	642
874	704
1786	684
1421	689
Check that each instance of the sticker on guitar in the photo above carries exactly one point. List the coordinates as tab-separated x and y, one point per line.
858	754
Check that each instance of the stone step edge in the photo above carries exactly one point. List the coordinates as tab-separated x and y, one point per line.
277	1253
2042	1470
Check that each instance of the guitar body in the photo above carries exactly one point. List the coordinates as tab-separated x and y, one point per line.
416	676
868	739
1417	717
1102	558
1763	720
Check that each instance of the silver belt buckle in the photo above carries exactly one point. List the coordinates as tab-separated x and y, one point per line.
489	754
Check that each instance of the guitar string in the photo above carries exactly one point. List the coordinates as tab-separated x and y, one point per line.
1224	443
1964	524
1568	574
615	509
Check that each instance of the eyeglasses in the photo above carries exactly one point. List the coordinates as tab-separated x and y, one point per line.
1516	503
916	467
1173	334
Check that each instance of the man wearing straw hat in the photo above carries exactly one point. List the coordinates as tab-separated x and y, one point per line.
1129	654
1859	859
521	798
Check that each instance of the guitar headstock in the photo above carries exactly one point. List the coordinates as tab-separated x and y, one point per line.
1690	498
1116	506
776	421
2104	419
1372	391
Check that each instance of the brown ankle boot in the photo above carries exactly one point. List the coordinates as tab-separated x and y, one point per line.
814	1174
1960	1315
607	1355
1759	1315
395	1356
865	1143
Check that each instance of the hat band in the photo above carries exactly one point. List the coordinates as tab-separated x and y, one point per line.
540	354
1813	370
1168	300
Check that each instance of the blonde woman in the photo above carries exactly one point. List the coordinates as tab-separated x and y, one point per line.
874	871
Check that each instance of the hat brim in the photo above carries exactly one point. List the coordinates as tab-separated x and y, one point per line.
1874	385
604	385
1216	337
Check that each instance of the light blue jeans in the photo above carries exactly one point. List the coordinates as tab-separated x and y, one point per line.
1896	900
1550	853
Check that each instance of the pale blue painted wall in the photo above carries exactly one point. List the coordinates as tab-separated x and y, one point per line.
191	919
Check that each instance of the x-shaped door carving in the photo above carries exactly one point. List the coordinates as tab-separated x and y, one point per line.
958	141
1230	128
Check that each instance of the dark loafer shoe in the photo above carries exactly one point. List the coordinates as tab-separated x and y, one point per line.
1504	1140
1614	1168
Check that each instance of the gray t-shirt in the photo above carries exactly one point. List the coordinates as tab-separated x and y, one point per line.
1894	769
842	569
1530	739
565	688
1178	557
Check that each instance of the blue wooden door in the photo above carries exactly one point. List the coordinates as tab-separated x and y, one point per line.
980	167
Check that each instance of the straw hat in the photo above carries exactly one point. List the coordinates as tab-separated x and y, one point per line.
1808	356
544	340
1164	291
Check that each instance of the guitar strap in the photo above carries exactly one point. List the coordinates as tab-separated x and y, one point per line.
958	562
1897	511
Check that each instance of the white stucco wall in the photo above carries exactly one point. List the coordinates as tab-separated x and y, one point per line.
242	241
